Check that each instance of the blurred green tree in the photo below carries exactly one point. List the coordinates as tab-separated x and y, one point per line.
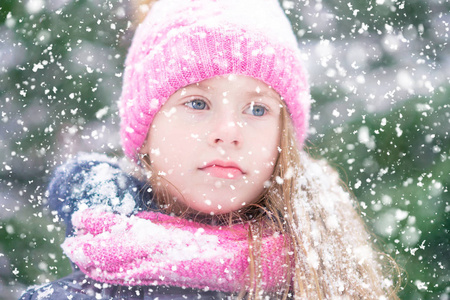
379	75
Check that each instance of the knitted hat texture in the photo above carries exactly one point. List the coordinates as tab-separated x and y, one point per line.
186	41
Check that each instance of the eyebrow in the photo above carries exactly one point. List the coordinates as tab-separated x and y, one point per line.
201	86
268	93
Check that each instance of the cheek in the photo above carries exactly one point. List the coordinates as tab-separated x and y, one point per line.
263	160
265	146
173	150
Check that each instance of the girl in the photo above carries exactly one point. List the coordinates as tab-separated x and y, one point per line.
214	111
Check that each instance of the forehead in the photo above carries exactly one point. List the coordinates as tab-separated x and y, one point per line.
235	83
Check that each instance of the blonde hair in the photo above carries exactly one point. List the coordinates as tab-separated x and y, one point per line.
330	245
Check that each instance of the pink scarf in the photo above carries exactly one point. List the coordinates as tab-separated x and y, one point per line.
156	249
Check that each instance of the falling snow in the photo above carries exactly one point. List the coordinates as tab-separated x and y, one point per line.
381	115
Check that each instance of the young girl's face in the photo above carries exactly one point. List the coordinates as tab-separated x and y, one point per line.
216	142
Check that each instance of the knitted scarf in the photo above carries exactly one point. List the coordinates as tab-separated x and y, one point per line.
156	249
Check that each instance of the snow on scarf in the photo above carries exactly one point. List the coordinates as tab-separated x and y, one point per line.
156	249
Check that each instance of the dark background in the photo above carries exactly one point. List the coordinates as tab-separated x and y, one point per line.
379	72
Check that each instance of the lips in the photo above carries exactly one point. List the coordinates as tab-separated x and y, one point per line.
223	169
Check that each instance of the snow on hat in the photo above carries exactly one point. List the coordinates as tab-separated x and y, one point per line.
181	42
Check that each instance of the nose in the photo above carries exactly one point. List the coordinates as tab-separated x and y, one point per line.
226	131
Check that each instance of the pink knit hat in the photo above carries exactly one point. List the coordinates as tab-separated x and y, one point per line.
186	41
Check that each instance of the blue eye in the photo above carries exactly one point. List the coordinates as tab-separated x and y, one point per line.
257	110
197	104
